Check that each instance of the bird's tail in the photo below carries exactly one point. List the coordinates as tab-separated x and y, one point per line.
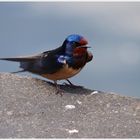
18	71
18	59
26	62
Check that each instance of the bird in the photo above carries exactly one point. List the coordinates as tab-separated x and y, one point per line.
61	63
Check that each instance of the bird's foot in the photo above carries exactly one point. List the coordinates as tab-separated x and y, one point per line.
58	89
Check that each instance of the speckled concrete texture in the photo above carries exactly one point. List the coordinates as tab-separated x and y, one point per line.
29	108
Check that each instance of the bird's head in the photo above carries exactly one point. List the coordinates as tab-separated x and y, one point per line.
75	44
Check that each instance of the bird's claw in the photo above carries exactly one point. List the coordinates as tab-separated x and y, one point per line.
59	91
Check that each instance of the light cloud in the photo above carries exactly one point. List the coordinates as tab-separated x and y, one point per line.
129	54
121	18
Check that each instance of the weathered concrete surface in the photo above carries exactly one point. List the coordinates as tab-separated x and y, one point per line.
29	108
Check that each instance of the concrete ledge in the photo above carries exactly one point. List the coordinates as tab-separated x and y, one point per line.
29	108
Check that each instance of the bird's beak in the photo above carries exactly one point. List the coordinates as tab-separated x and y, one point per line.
84	47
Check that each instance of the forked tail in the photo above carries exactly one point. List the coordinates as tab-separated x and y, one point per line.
18	71
18	59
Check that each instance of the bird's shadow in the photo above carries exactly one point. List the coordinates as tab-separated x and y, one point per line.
76	89
72	89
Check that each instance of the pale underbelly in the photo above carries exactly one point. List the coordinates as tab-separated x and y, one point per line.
62	74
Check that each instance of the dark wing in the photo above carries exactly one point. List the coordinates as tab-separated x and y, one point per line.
48	62
42	63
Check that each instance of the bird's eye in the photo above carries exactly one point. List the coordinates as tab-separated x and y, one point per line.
75	43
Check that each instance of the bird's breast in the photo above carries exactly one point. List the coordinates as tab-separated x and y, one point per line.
64	73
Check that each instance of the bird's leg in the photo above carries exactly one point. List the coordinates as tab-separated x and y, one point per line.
71	84
59	91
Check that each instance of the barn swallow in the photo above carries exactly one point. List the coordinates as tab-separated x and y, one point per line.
60	63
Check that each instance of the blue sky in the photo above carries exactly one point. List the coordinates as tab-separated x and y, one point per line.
112	29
